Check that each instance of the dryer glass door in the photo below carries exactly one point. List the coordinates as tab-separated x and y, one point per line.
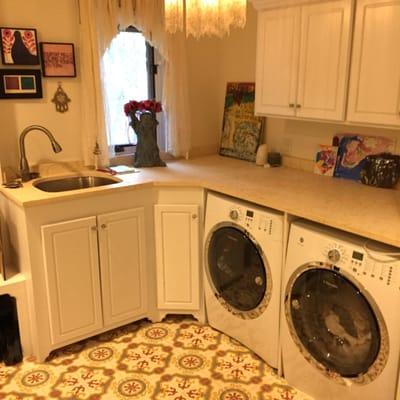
236	269
334	322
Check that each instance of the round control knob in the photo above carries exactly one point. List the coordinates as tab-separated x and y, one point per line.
334	255
234	214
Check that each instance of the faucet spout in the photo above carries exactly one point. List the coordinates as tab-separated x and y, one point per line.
23	162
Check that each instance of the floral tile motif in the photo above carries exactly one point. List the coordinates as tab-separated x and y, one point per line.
237	366
154	333
82	383
180	387
194	336
132	387
145	358
280	392
191	362
177	359
33	380
100	354
6	374
234	392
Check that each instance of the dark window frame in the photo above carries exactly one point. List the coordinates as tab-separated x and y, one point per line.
152	70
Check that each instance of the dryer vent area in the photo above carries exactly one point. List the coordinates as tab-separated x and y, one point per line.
10	343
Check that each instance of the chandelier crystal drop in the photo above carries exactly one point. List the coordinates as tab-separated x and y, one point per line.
204	17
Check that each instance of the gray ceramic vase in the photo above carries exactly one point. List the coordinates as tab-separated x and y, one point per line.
147	152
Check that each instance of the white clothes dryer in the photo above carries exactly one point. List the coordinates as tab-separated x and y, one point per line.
341	320
243	264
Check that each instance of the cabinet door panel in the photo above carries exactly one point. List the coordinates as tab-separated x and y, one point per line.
374	95
177	255
123	265
324	55
72	274
277	61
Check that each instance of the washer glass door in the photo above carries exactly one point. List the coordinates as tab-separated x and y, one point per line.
236	269
333	321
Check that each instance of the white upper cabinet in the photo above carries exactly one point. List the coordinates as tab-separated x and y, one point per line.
323	63
302	60
277	61
374	95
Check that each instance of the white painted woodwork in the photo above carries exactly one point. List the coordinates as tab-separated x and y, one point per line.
70	254
374	95
177	256
324	59
123	265
278	35
302	60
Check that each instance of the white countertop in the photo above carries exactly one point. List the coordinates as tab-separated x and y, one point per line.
370	212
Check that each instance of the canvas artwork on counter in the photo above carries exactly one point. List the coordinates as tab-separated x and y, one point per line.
19	46
241	130
353	150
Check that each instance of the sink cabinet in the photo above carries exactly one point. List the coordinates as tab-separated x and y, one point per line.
302	60
78	256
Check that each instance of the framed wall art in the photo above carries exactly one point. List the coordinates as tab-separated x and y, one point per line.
241	130
20	84
19	46
58	59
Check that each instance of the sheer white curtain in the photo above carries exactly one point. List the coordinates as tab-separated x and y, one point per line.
99	22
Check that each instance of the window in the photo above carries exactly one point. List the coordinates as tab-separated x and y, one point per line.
128	73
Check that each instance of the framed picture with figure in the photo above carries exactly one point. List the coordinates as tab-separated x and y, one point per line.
19	46
58	60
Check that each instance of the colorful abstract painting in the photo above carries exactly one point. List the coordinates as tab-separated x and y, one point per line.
353	149
241	130
19	46
325	160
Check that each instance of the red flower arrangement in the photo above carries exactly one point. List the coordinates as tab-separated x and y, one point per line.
134	107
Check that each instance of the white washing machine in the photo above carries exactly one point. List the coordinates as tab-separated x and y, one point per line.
341	321
243	264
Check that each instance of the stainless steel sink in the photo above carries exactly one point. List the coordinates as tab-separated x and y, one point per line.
73	183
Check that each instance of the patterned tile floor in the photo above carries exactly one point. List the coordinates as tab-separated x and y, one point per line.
173	360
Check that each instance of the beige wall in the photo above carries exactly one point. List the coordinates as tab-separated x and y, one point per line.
212	62
54	21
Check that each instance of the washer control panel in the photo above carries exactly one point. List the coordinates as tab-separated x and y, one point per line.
251	220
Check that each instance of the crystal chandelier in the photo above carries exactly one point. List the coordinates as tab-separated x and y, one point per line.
204	17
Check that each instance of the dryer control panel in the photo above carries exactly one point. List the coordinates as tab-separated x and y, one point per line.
358	262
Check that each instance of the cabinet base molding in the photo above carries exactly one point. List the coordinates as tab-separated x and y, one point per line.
159	316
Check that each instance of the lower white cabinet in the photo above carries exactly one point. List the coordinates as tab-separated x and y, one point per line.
177	256
122	261
86	292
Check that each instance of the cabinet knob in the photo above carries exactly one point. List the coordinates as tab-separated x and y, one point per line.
94	228
103	226
194	216
298	105
291	105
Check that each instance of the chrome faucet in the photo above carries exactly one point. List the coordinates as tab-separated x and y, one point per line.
23	162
